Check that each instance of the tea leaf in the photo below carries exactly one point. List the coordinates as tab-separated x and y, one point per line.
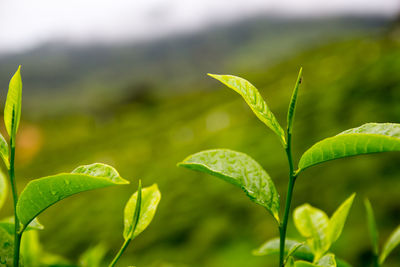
372	229
12	109
8	225
4	154
255	101
41	193
293	101
327	261
312	223
271	247
3	188
304	264
131	227
238	169
150	197
368	138
338	219
391	243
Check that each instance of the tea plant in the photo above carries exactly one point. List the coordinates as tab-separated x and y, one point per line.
39	194
241	170
392	242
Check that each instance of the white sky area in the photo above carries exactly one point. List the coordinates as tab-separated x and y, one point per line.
27	23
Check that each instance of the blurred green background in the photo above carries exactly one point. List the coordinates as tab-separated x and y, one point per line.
144	107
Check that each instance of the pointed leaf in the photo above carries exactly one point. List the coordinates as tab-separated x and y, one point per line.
3	188
392	242
293	101
241	170
271	247
12	109
4	151
338	219
255	101
368	138
136	215
312	223
41	193
150	198
327	261
93	257
372	229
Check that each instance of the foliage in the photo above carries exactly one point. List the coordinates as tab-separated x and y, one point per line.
313	224
20	247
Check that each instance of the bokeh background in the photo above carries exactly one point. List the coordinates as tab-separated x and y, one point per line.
124	83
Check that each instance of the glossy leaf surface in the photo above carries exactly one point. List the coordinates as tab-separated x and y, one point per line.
327	261
4	154
338	219
392	242
255	101
312	223
149	201
368	138
238	169
372	229
41	193
3	188
12	109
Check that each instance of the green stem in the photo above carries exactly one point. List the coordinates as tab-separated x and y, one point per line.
120	252
292	180
17	235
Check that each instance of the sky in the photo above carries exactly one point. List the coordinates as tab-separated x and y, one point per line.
25	23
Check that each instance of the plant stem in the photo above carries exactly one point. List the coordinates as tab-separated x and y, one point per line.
120	252
376	260
17	235
292	180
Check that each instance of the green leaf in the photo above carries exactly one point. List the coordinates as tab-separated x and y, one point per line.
368	138
3	188
4	151
290	262
338	219
255	101
12	109
93	257
41	193
293	101
150	197
372	229
6	248
8	225
31	249
136	215
304	264
327	261
271	247
238	169
391	243
312	223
